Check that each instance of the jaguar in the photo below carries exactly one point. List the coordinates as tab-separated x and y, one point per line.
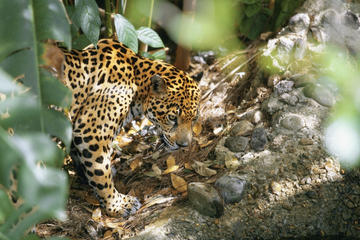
111	85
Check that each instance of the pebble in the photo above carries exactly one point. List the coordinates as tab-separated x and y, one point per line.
257	117
205	199
292	122
231	188
236	143
242	128
320	94
276	188
272	105
284	86
289	99
306	141
258	139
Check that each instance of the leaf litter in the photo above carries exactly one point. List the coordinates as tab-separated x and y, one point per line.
144	168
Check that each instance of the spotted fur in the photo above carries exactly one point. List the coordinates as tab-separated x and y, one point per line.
111	85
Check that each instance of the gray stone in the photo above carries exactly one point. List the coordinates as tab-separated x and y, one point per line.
272	105
258	139
320	94
283	87
236	143
289	99
231	188
292	122
205	199
242	128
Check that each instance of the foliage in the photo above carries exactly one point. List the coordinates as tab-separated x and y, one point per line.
26	122
258	16
85	16
342	135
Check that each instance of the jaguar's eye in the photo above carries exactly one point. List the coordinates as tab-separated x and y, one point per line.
172	117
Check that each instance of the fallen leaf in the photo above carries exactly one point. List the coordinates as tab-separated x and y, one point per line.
108	234
156	169
156	200
188	166
171	169
178	183
116	223
122	141
197	128
206	144
135	164
96	215
202	169
170	161
232	163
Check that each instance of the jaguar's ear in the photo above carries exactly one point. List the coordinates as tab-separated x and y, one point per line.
197	77
158	85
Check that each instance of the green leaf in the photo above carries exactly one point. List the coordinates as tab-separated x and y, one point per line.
250	1
61	97
58	125
80	42
7	86
126	32
10	158
44	187
6	207
15	26
51	21
87	17
252	9
149	37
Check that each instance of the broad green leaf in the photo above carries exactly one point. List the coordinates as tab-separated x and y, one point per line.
6	207
44	187
149	37
36	147
50	21
10	157
7	86
16	26
22	114
22	65
250	1
126	32
252	9
80	42
58	125
61	97
87	18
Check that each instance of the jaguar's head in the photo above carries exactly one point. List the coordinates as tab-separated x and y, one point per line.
172	105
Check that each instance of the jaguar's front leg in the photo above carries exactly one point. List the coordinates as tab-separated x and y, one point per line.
93	132
97	167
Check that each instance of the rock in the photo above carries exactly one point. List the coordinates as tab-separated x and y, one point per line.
276	188
289	99
320	94
236	143
257	117
299	22
306	141
272	105
292	122
231	188
205	199
258	139
283	87
242	128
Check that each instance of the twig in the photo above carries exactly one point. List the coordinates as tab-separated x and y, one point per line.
207	94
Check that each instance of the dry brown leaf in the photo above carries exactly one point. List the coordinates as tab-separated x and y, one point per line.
116	223
206	144
197	128
96	215
135	164
188	166
122	141
156	169
108	234
202	169
170	161
178	183
171	169
156	200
